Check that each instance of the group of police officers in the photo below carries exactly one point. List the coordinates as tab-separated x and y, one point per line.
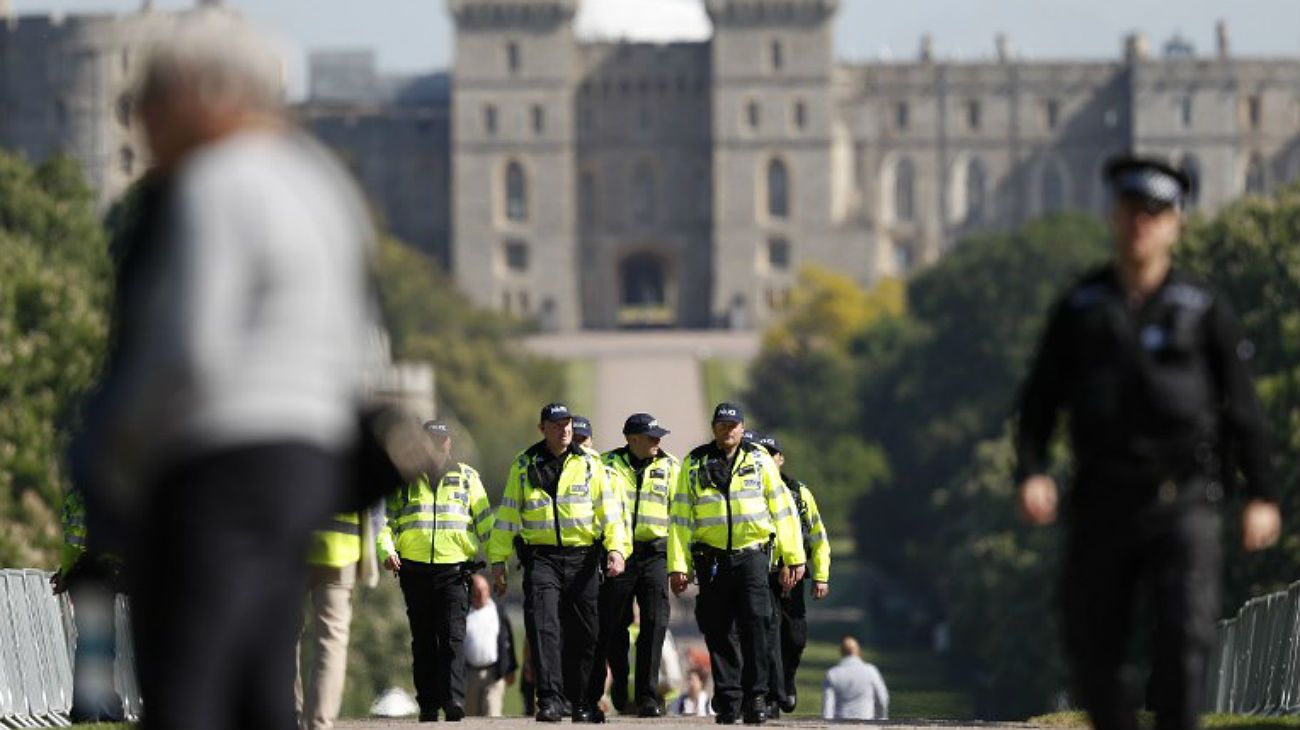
595	533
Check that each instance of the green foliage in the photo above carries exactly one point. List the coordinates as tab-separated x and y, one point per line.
485	383
54	293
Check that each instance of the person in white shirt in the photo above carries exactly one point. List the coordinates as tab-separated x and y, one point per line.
489	652
854	689
693	700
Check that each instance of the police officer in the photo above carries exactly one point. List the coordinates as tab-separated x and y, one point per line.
644	476
790	612
582	432
433	533
333	557
559	512
729	511
1152	368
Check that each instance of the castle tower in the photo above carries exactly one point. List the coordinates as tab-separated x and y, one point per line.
772	129
514	241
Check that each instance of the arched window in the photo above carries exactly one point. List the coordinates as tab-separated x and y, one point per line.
516	193
1256	180
778	55
512	57
1052	189
778	190
976	191
905	191
643	195
1193	170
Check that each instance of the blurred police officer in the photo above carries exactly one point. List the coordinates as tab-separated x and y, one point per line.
558	510
434	530
582	432
728	508
644	475
789	609
1152	369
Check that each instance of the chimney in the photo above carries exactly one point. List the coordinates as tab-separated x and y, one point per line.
1002	47
927	48
1136	47
1222	38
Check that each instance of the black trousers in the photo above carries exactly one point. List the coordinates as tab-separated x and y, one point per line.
217	571
561	588
437	601
734	613
1169	555
646	582
794	634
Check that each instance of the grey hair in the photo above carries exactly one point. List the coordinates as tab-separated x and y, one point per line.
219	53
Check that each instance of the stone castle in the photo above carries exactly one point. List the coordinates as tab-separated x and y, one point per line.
599	185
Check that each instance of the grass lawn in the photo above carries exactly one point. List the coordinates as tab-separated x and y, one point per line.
1147	720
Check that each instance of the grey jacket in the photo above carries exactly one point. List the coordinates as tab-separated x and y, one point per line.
854	690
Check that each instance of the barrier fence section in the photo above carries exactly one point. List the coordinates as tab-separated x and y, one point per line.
37	637
1254	665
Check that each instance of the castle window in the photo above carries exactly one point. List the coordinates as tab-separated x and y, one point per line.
644	201
778	190
512	57
516	256
976	190
1185	112
124	111
800	115
905	191
1193	170
901	115
1052	113
778	55
1254	111
539	119
753	115
516	193
904	256
973	114
778	254
490	120
1256	180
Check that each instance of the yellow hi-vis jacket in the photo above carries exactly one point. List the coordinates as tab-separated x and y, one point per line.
645	498
442	526
755	508
583	511
338	543
815	541
74	530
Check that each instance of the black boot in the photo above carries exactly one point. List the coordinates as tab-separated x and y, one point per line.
589	713
755	711
549	713
454	713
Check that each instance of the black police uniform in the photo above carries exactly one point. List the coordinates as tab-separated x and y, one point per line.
1155	395
790	614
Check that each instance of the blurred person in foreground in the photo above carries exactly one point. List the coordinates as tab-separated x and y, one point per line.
694	700
489	652
854	689
1153	369
222	430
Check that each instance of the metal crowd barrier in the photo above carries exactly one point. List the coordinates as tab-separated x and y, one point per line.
36	650
1254	665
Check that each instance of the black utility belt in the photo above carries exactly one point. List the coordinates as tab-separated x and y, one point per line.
712	552
657	545
561	549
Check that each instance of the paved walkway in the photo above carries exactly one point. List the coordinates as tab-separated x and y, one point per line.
677	722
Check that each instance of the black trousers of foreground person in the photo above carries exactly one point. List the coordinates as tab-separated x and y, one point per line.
218	571
1168	555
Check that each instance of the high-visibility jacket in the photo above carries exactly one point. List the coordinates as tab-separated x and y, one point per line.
645	495
583	511
441	526
74	530
752	507
338	543
816	543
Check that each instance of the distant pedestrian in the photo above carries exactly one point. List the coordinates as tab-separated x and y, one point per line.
854	689
489	652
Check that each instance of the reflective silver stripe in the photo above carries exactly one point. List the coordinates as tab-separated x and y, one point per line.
548	524
75	540
653	498
683	521
533	504
574	499
509	502
735	520
710	521
747	494
346	528
816	538
709	498
428	509
652	521
434	525
505	526
787	512
682	498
